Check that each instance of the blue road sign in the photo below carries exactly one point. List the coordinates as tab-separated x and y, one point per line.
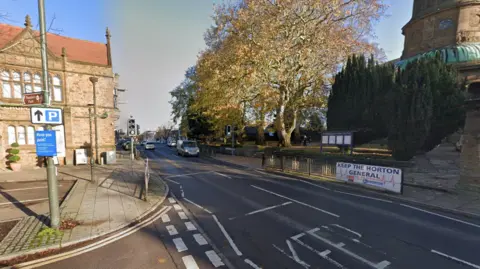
44	115
46	143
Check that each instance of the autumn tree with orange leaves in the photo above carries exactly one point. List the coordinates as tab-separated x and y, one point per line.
279	56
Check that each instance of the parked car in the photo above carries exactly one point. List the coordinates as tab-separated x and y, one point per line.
149	145
171	143
187	148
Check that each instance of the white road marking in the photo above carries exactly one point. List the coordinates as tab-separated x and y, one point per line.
340	245
348	230
171	200
305	265
96	245
200	239
446	217
214	259
25	189
455	259
190	226
252	264
165	218
172	230
295	255
189	262
298	202
186	175
223	175
24	201
182	215
199	206
363	196
177	207
325	253
179	244
297	236
321	254
264	209
232	244
380	265
294	179
172	181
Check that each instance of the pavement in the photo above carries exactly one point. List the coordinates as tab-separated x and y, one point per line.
112	202
222	215
425	188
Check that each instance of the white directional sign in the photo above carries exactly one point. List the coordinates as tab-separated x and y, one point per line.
46	115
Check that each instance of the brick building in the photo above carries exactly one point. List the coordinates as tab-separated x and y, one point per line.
452	28
72	63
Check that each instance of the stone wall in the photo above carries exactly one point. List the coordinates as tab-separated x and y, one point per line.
470	157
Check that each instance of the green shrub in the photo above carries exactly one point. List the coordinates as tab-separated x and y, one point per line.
14	151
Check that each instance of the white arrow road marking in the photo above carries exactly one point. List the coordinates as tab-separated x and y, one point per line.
380	265
179	244
295	255
214	259
323	254
290	257
348	230
298	202
189	262
455	259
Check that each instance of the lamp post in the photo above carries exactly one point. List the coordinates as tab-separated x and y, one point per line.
94	81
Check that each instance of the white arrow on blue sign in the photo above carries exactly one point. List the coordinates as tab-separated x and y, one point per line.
46	115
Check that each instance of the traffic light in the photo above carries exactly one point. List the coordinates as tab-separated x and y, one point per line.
138	129
228	130
131	128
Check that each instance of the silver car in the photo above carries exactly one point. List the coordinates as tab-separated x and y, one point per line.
150	145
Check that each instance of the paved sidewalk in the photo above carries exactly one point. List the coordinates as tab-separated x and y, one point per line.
114	202
466	202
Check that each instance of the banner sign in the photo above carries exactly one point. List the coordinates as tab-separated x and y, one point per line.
387	178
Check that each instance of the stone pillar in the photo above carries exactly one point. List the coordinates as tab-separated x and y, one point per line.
470	157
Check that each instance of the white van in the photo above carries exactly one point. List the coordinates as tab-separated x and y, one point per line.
187	148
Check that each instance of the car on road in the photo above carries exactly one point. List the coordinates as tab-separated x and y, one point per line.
171	143
149	145
187	148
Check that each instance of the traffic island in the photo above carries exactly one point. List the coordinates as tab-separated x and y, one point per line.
91	211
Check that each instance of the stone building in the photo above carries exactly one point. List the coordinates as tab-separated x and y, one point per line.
452	28
73	65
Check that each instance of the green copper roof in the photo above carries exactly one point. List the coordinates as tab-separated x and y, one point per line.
453	54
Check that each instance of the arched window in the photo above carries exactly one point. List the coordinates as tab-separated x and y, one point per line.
57	89
30	135
21	135
11	135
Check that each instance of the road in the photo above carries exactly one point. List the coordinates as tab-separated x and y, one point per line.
250	219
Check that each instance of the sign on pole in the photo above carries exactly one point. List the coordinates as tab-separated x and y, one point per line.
33	98
46	115
46	143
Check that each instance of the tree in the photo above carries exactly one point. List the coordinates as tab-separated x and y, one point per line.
163	131
448	113
411	104
183	94
281	51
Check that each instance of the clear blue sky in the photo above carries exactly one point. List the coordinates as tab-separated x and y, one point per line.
156	41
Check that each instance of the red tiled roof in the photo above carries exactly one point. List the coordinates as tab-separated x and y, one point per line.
77	49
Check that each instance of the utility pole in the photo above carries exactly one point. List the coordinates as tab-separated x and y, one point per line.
92	162
51	175
94	81
233	139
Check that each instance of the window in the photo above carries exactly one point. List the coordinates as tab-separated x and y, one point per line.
30	135
6	89
11	135
21	135
57	89
15	83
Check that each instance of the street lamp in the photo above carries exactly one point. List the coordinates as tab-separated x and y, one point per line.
90	117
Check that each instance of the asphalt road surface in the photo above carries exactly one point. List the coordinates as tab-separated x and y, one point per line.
250	219
20	199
